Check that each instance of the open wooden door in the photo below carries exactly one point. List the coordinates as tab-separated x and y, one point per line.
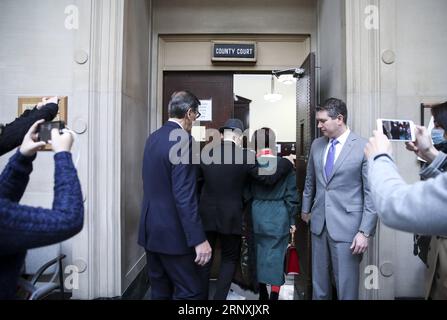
214	86
306	134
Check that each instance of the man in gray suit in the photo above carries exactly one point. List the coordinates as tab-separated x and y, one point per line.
336	201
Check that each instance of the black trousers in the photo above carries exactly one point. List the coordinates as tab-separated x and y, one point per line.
230	253
174	277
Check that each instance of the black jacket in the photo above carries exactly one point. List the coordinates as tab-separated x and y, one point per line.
221	199
12	134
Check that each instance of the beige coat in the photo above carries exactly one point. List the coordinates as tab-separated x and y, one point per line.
436	285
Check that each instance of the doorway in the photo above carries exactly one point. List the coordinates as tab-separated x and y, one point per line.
244	95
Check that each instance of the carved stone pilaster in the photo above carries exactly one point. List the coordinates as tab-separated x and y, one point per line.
363	94
98	247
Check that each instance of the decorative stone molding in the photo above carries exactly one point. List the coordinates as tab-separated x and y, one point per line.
99	244
363	93
363	67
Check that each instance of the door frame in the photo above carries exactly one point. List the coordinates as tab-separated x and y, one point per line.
161	45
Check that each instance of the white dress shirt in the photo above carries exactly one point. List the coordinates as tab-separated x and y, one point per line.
339	146
178	122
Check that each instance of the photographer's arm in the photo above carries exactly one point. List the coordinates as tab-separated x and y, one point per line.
13	133
417	208
24	227
435	168
15	177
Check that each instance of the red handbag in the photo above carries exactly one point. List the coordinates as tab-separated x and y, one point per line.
292	263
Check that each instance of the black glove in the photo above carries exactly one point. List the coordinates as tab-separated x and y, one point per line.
13	133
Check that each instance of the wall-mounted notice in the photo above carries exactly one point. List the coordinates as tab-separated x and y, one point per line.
206	110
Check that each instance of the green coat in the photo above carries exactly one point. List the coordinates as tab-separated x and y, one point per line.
273	212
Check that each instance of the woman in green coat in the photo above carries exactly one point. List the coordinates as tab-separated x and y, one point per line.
273	214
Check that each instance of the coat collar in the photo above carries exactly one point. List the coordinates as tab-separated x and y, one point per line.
173	124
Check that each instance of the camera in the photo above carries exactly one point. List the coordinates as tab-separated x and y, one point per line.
44	129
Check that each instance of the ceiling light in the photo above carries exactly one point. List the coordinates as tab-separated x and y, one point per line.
272	96
287	79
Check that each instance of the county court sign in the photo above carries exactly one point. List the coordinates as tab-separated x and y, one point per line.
236	51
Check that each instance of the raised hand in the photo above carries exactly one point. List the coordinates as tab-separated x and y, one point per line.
30	144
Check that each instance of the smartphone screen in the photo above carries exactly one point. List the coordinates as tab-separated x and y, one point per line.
397	130
45	128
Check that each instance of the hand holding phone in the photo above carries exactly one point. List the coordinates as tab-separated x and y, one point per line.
31	144
378	144
61	141
423	146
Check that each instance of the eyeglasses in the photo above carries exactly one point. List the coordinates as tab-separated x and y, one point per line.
198	114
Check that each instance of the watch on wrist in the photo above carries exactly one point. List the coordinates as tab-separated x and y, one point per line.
365	234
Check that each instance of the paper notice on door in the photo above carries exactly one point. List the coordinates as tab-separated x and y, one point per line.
206	110
199	133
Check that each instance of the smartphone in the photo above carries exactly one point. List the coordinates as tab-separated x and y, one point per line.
397	130
44	129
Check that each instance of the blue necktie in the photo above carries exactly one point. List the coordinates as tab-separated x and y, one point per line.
330	160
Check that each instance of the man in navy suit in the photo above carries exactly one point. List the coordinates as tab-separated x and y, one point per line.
171	230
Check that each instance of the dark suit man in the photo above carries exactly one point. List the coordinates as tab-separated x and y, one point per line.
221	201
395	132
170	227
337	200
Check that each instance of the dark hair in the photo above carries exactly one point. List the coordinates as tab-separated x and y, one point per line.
181	102
439	112
264	138
334	108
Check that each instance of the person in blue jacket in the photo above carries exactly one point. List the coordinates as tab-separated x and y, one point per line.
24	227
